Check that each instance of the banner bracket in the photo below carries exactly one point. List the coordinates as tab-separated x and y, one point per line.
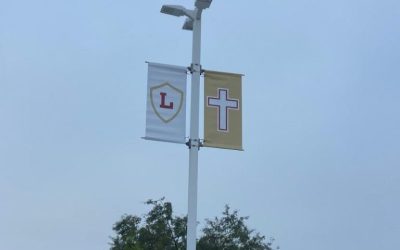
194	143
195	68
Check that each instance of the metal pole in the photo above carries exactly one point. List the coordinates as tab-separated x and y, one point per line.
194	134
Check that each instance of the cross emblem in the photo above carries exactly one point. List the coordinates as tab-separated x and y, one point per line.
223	105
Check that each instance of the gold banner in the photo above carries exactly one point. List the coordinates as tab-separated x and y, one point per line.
223	110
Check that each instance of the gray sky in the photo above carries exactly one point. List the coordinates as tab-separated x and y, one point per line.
321	99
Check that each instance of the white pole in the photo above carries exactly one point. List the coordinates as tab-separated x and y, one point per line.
194	134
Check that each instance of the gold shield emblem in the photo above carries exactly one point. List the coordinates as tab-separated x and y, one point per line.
166	101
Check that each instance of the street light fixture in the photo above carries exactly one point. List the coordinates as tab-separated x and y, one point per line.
176	10
193	22
188	25
203	4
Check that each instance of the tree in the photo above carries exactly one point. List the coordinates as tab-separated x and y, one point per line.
231	233
160	230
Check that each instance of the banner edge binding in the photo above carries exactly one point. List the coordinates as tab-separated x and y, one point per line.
161	140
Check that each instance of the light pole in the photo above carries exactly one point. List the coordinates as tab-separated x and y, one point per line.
193	22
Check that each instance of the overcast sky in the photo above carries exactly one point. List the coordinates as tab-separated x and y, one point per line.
321	119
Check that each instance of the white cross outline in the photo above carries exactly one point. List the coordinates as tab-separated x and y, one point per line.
223	104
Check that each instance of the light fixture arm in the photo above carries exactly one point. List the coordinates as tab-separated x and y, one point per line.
190	14
197	13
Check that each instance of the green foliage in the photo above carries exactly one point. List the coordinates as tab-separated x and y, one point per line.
127	230
231	233
160	230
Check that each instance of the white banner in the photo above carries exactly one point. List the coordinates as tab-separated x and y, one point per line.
166	98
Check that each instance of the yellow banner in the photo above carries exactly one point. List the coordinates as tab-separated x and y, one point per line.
223	110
